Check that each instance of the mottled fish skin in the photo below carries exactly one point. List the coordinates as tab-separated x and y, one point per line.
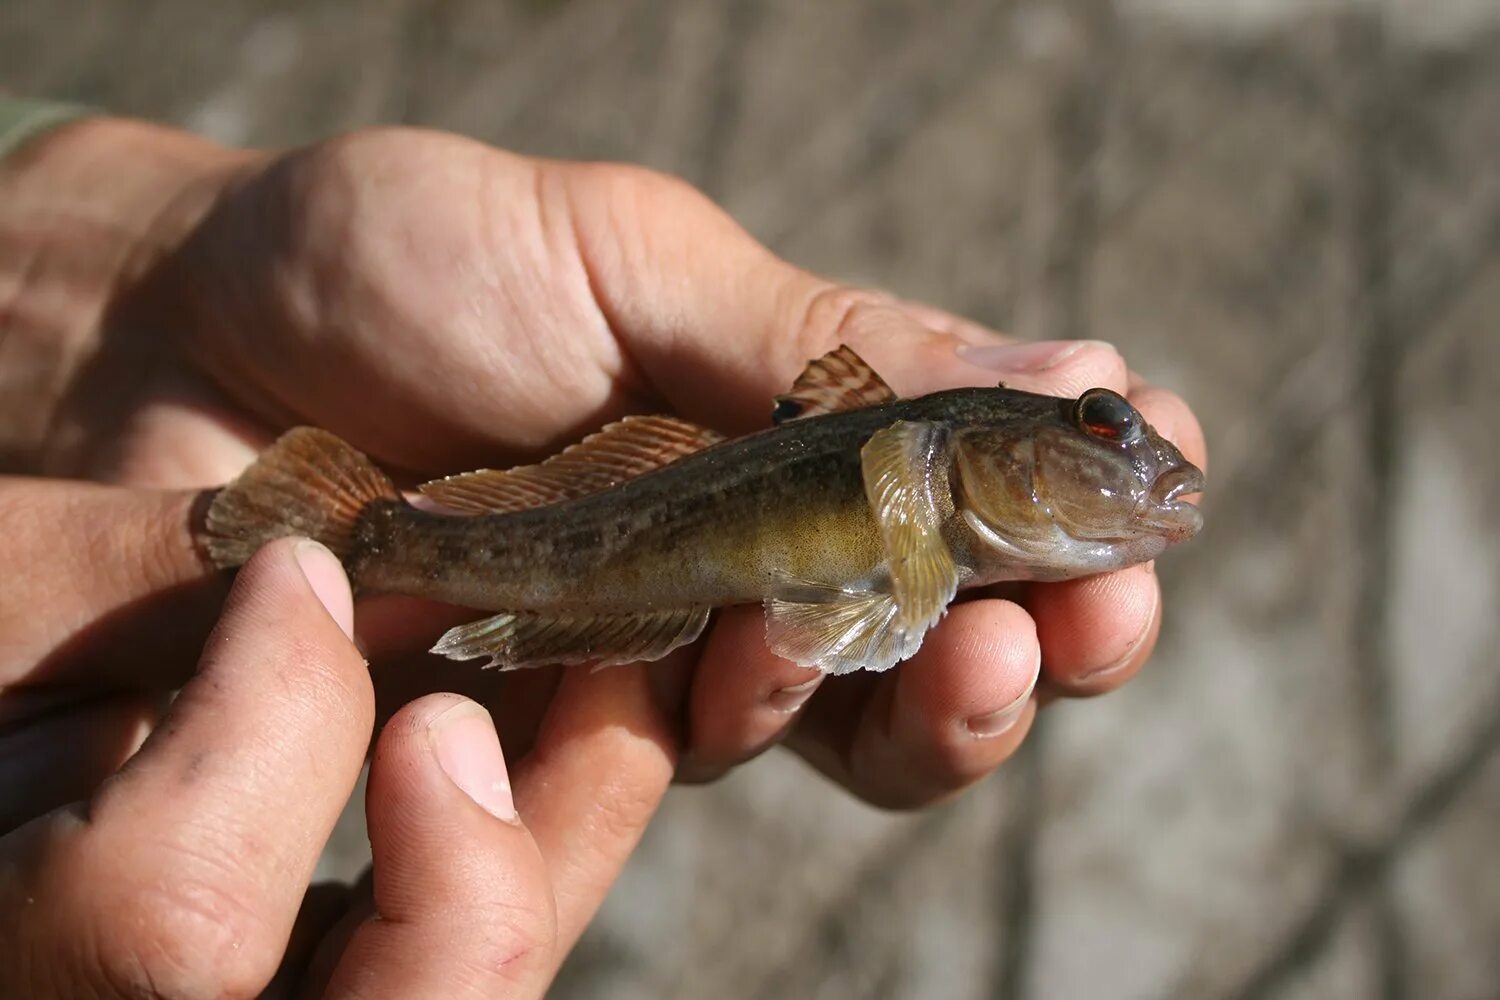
717	527
855	519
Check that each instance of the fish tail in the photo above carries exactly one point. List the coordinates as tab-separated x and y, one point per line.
309	483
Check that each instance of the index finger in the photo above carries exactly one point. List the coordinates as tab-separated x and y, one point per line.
102	585
186	870
604	758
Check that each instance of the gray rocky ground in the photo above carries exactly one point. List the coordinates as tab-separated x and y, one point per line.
1288	211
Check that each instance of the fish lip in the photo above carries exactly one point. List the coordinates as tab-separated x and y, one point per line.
1169	514
1177	482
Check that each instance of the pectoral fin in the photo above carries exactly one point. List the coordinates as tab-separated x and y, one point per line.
512	640
838	631
901	473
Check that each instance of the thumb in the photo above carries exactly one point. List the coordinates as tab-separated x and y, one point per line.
463	903
689	293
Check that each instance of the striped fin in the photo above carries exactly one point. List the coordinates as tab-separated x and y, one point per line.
839	380
623	450
515	639
309	482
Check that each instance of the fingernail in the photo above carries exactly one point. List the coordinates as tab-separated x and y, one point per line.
468	750
325	574
1002	720
788	699
980	336
1024	358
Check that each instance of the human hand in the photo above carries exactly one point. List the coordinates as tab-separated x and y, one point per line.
444	305
186	873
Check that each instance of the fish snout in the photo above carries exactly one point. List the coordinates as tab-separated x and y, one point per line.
1167	512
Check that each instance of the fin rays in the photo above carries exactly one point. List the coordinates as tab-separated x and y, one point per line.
623	450
512	640
839	380
838	631
309	482
899	465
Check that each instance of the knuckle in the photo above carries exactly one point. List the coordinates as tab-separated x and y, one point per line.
189	938
620	812
515	938
623	812
318	685
836	314
644	190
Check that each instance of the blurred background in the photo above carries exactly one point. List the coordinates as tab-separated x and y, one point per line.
1287	211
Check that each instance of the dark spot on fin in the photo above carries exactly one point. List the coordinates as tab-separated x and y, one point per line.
839	380
785	409
308	483
512	640
623	450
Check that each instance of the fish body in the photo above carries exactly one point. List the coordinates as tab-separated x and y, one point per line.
854	526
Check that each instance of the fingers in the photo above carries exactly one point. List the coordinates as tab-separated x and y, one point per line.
602	761
942	720
63	757
114	590
744	697
184	874
463	905
718	324
1095	632
467	900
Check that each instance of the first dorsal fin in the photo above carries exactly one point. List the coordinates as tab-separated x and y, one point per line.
622	450
839	380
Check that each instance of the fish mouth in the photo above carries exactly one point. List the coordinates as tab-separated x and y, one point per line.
1168	512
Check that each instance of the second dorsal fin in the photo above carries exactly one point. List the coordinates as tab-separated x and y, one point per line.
623	450
839	380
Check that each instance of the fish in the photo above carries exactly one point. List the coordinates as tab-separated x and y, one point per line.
854	519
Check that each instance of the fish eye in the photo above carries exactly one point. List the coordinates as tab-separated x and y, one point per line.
1107	415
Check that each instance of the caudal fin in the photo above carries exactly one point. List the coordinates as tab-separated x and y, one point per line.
308	483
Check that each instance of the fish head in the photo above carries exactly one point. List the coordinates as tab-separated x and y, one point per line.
1085	486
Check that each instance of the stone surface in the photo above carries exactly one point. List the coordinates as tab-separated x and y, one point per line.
1287	211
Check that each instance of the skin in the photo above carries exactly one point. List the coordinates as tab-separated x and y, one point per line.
170	306
185	873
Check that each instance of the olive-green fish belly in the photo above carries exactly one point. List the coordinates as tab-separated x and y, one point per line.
629	549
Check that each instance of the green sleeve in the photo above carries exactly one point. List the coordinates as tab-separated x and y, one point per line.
23	120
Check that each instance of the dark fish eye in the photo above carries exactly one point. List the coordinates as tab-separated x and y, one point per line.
1107	415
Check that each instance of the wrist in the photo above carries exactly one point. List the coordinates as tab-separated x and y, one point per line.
85	210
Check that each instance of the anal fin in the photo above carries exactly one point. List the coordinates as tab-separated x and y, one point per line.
516	639
839	631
